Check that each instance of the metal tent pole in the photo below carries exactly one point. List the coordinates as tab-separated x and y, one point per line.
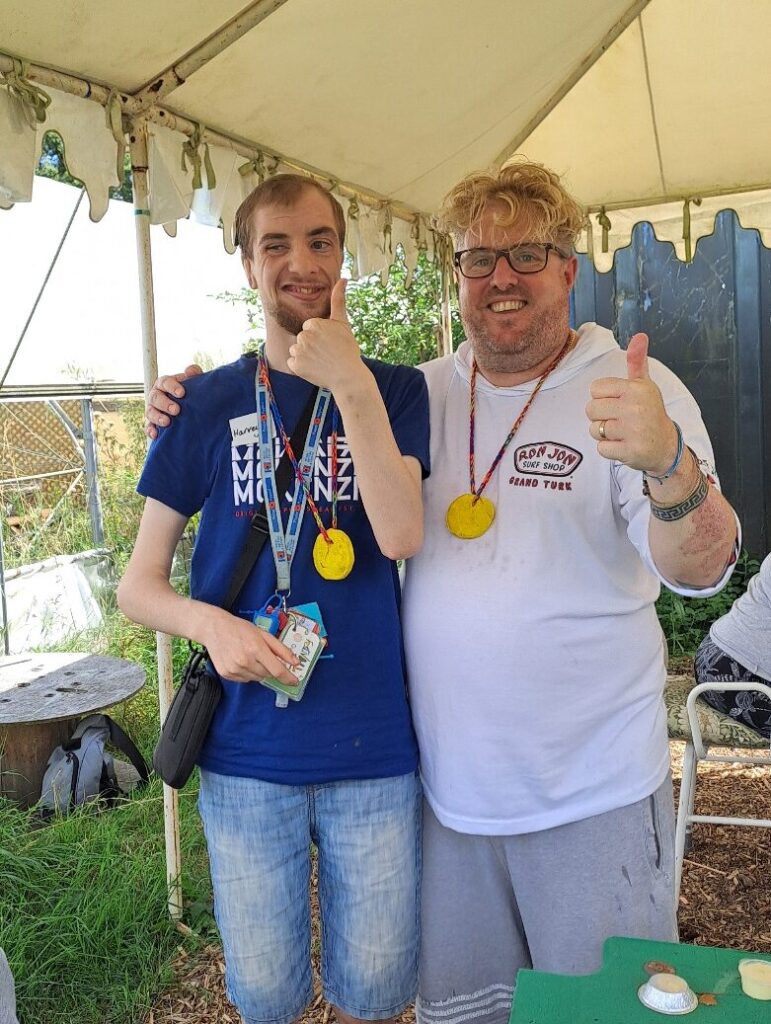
446	315
92	479
3	601
138	141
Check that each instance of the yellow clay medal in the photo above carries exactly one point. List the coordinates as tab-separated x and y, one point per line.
333	554
334	557
470	515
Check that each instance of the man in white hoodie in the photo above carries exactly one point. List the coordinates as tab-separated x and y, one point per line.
569	478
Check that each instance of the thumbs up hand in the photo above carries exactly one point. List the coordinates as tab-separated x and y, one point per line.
627	417
325	351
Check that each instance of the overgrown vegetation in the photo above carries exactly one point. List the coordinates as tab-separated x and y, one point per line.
83	912
397	322
686	620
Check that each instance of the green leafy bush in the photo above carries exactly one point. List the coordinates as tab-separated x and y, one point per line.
686	620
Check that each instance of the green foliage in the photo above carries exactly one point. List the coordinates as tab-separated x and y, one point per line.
254	315
53	164
395	322
686	620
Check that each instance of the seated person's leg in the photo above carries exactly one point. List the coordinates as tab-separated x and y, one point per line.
713	665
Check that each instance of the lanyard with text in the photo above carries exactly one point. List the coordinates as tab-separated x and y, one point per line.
284	543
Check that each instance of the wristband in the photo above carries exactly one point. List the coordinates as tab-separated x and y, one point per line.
676	463
670	513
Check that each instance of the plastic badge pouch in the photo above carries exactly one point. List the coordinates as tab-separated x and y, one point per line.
756	978
667	993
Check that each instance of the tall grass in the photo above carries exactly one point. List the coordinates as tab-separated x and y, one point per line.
83	913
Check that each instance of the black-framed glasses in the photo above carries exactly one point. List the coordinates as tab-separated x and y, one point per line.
525	258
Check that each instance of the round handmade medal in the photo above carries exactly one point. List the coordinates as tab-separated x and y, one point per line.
468	516
334	560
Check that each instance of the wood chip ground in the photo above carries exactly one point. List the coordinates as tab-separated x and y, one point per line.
725	898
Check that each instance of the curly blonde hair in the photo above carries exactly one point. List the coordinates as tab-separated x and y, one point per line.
525	190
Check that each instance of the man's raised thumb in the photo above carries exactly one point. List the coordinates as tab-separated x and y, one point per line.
637	357
337	310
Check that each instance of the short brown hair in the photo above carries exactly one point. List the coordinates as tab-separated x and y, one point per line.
281	190
530	191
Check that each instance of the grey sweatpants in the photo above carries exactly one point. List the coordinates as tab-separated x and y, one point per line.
548	900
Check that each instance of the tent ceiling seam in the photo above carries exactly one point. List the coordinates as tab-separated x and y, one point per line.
178	72
652	106
591	58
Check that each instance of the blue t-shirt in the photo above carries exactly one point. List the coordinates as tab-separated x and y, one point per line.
353	721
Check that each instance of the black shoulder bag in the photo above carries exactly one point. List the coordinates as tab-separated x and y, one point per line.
184	730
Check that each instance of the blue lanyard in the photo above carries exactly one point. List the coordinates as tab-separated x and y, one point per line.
270	425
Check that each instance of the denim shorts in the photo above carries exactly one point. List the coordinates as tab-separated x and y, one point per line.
367	833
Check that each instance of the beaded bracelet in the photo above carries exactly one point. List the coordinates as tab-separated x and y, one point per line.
670	513
676	463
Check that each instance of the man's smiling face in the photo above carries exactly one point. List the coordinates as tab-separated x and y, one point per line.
295	260
516	323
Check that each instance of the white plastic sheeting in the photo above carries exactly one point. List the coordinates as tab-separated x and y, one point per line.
51	600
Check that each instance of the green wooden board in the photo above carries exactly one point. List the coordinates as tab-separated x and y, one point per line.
610	995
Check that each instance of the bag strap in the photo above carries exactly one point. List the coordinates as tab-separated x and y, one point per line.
258	527
118	738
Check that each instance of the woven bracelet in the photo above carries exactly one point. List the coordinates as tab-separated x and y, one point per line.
676	463
670	513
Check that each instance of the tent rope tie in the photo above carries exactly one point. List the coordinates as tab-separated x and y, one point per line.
113	110
687	226
388	223
417	235
33	102
353	209
254	166
604	221
190	150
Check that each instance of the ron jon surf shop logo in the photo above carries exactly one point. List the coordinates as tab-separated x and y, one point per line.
545	459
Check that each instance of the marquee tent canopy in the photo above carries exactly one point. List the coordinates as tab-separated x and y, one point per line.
652	109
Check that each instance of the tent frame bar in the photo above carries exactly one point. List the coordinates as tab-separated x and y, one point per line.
168	118
623	23
177	74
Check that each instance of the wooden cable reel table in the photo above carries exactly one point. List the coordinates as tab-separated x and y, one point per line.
41	698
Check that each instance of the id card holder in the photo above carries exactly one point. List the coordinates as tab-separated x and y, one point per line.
306	644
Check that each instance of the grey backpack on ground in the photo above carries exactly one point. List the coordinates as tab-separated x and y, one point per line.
82	769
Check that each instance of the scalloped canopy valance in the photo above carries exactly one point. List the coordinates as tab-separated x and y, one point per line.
651	109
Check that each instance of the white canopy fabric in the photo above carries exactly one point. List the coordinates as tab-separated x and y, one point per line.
641	105
651	109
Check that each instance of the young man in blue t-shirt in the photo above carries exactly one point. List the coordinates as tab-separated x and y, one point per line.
338	766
